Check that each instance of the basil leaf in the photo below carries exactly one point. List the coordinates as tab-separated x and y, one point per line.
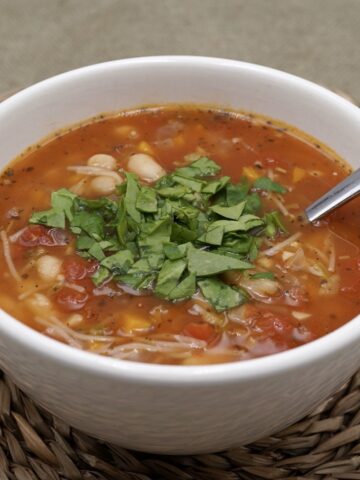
96	251
253	203
237	193
121	223
63	199
90	223
273	224
233	212
118	263
50	218
100	276
245	223
215	185
220	295
185	289
203	167
182	234
174	252
84	242
154	234
169	276
265	183
132	190
207	263
254	248
146	200
213	235
192	184
174	192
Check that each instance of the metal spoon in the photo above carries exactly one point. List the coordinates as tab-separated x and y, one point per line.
341	193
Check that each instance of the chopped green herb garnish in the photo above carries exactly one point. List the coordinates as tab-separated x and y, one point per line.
175	237
220	295
265	183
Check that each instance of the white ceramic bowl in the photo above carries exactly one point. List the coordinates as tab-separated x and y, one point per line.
174	409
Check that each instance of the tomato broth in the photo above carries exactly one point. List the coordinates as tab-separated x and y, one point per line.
254	279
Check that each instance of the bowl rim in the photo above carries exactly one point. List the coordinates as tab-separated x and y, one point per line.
147	373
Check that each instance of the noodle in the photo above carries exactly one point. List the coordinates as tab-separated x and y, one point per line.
280	246
95	171
7	256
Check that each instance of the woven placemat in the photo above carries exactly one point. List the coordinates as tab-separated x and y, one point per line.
34	445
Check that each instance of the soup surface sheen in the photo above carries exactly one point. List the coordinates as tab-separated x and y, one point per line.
182	268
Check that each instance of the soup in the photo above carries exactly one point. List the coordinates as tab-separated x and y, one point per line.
176	235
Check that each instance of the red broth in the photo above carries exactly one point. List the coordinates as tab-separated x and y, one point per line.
313	280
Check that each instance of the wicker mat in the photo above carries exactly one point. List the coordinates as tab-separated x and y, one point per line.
34	445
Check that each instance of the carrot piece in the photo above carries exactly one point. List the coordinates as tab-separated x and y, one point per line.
298	174
201	331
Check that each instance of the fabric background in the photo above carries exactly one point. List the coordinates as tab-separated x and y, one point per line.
316	39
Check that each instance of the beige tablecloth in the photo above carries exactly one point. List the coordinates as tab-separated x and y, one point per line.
317	39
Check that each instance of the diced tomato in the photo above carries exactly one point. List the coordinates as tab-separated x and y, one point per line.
278	327
201	331
74	268
35	235
296	296
70	300
92	266
77	268
30	235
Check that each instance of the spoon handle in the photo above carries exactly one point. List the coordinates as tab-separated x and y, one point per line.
341	193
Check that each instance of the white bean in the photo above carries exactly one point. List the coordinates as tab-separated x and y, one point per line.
102	160
48	267
74	320
145	167
103	185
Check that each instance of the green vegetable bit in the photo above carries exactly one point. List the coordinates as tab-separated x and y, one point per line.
175	237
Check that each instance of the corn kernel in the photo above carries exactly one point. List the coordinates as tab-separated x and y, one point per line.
145	147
